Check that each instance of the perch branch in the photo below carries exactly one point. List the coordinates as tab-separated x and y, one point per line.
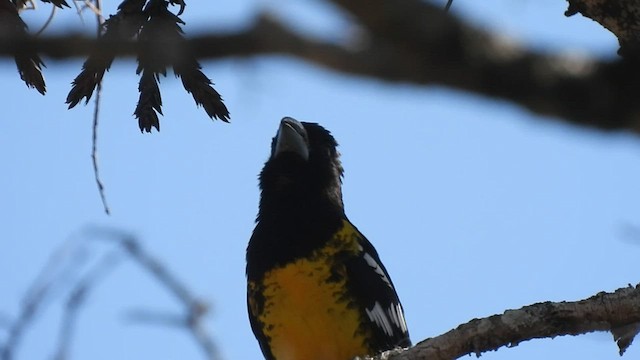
617	312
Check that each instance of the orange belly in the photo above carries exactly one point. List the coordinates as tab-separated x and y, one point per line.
303	318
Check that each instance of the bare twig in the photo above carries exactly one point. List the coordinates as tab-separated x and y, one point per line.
48	22
96	114
76	298
448	5
163	318
62	264
195	309
70	263
96	8
94	149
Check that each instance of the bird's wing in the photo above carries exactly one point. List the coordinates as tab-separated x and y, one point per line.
372	289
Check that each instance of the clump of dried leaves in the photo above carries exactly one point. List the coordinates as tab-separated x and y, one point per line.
160	44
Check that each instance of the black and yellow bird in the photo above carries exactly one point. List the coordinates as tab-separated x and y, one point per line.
317	289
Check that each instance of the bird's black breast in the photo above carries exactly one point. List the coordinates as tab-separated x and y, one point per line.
276	243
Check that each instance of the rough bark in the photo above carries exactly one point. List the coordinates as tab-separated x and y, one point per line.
617	312
621	17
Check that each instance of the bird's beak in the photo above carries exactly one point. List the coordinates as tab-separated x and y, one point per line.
292	137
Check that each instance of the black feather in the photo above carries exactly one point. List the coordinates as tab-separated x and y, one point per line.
369	288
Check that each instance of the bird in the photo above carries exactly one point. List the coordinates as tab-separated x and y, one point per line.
316	287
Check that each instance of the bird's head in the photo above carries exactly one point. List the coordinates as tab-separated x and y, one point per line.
304	165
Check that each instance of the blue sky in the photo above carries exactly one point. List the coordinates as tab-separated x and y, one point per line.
475	205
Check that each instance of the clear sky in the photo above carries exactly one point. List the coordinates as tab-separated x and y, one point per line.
475	205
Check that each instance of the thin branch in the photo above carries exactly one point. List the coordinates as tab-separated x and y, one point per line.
195	309
191	322
162	318
76	299
617	312
94	149
96	9
69	272
48	22
60	267
96	116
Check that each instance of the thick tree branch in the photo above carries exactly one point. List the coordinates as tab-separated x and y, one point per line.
622	18
448	53
616	312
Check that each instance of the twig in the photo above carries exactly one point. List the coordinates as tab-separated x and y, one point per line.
67	262
96	115
446	7
49	20
156	318
94	149
76	298
96	9
60	266
195	309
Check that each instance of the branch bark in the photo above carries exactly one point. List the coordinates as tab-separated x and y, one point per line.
622	18
617	312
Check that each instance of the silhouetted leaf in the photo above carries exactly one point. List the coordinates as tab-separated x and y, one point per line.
28	62
124	25
149	102
58	3
199	86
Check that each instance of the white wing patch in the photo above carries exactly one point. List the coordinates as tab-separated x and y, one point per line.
379	316
385	318
397	317
377	268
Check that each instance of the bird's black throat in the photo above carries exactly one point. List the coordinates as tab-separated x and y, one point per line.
300	208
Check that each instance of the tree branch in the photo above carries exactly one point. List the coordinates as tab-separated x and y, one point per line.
195	309
616	312
76	299
71	273
444	51
622	18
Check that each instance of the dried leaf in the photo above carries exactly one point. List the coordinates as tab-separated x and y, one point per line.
160	29
124	25
199	86
28	62
58	3
149	103
30	70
